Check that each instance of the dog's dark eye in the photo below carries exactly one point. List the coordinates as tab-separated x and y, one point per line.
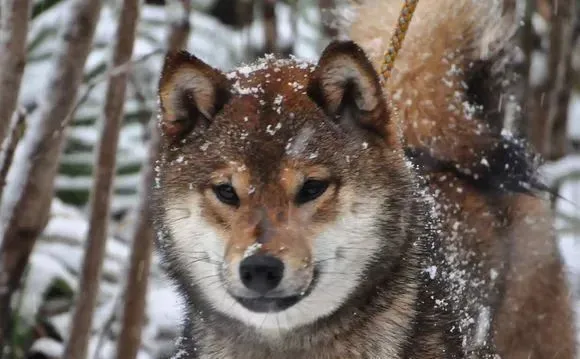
311	190
227	194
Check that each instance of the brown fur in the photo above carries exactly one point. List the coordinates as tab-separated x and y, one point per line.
427	85
511	233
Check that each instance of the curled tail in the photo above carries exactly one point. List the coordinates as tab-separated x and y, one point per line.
449	86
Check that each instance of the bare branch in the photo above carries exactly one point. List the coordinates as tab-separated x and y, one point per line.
107	325
17	128
30	180
13	29
90	86
104	173
121	69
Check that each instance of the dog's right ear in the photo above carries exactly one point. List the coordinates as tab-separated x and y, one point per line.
190	93
346	86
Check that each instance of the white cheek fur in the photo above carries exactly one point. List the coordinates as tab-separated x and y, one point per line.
200	250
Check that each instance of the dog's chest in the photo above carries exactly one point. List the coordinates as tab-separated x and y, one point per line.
366	344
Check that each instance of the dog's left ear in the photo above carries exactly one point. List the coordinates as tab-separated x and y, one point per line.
191	93
346	86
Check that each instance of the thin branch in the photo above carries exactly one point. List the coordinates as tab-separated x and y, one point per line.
104	173
118	70
107	324
126	66
90	86
30	180
141	98
13	30
17	128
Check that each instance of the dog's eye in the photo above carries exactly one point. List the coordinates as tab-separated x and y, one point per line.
226	194
311	190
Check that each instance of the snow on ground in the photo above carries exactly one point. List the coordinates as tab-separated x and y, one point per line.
58	257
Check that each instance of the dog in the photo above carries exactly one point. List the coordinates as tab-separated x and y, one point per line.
313	210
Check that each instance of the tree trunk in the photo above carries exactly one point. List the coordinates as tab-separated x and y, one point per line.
104	173
143	235
547	105
179	29
270	27
129	339
520	120
30	183
555	142
13	29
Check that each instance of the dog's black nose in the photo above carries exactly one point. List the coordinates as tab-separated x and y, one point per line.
261	273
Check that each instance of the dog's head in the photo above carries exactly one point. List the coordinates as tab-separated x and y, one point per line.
279	184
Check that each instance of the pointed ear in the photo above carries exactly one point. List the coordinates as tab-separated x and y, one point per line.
346	86
191	93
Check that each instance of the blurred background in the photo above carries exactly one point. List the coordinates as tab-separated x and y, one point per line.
224	33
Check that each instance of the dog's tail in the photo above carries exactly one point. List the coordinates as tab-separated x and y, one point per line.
448	85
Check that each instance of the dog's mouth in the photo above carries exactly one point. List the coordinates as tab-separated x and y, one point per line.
265	304
269	305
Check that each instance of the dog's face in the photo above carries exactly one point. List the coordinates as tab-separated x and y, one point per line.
279	183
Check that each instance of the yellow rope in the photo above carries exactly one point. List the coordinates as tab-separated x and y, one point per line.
397	39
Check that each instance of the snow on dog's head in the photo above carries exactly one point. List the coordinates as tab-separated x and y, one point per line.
279	183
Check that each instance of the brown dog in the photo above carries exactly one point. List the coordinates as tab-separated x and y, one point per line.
305	211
